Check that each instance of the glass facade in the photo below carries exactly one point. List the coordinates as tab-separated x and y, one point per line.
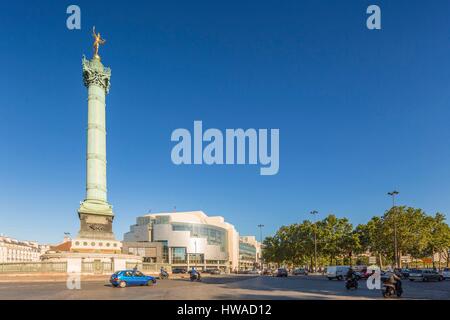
214	235
161	220
196	258
165	252
247	252
178	255
223	262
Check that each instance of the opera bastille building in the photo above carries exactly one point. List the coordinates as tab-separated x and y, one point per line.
190	239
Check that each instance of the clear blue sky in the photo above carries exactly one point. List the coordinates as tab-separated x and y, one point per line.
360	112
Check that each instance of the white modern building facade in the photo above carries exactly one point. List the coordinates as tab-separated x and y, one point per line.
189	239
250	254
13	250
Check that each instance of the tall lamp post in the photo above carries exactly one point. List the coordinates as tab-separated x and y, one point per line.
314	213
260	226
396	255
195	244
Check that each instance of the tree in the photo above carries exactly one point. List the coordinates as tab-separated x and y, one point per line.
439	236
418	235
337	238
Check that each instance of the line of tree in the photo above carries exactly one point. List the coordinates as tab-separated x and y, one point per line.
338	242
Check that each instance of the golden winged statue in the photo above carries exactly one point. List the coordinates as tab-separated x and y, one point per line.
97	42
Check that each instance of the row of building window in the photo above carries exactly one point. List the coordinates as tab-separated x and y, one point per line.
18	255
100	244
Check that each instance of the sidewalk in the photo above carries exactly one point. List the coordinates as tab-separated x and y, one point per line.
57	277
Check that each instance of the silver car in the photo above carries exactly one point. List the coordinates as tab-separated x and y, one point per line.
425	275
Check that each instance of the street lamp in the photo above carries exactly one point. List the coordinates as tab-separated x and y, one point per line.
314	213
260	226
396	255
195	244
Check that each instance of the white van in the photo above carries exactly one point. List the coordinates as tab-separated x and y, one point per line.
337	272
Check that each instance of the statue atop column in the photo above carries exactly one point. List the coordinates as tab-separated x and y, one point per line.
98	41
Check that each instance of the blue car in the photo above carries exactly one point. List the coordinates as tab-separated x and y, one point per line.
125	278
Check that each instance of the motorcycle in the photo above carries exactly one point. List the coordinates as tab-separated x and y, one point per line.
163	275
352	283
195	277
390	290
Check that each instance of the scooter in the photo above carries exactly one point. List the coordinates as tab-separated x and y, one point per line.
195	277
390	290
163	275
352	283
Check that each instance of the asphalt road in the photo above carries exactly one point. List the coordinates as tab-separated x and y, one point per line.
231	287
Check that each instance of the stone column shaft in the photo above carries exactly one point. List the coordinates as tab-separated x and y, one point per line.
96	145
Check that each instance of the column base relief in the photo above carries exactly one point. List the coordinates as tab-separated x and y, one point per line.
96	219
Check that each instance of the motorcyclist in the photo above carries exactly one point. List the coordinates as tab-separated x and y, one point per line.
351	274
195	273
163	272
395	281
393	278
352	280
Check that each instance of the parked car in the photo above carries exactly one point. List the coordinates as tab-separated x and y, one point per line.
213	271
126	278
243	271
281	272
384	276
254	271
178	270
366	274
404	272
360	268
446	273
337	272
425	275
300	271
267	272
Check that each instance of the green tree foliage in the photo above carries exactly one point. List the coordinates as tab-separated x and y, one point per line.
418	235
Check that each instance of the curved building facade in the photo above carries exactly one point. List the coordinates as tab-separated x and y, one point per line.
188	239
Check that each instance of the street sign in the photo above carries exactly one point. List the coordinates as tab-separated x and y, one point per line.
427	260
372	260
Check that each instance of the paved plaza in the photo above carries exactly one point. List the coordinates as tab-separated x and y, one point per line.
233	287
